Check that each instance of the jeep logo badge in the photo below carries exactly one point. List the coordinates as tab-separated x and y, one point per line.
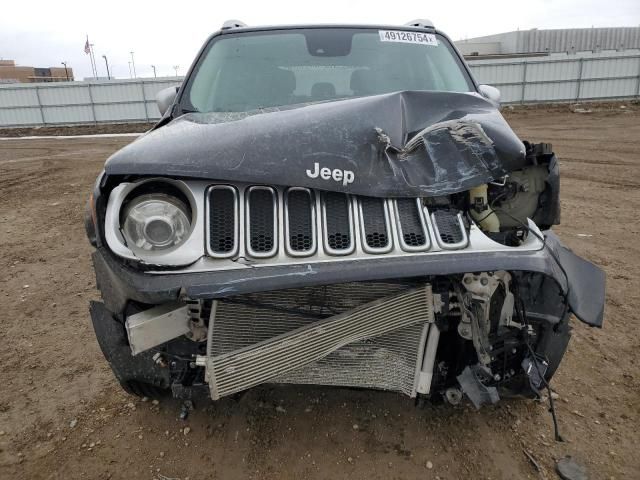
345	176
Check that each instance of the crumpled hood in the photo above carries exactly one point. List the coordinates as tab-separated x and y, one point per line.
404	144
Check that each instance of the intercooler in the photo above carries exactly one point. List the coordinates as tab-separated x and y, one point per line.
369	335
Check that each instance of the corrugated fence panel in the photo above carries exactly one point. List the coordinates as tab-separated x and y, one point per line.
18	97
611	67
68	114
67	95
22	116
498	73
119	92
120	112
546	92
609	88
545	71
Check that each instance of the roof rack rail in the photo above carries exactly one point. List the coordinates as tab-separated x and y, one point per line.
421	23
233	24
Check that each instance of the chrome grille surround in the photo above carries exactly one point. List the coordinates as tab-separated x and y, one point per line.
210	222
369	218
290	230
261	226
447	223
400	205
329	230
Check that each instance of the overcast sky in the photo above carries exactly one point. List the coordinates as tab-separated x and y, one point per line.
43	33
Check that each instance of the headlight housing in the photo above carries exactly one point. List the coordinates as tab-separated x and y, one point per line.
155	221
159	222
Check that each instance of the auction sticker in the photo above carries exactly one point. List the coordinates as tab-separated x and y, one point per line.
408	37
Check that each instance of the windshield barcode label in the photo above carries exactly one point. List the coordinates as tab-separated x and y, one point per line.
408	37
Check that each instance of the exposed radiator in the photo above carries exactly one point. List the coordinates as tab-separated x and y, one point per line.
369	335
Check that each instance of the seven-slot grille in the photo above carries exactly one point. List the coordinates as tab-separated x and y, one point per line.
262	222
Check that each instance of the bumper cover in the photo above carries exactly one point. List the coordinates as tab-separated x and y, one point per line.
584	282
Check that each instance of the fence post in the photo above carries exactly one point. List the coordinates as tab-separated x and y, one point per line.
638	84
40	105
144	101
579	79
93	106
524	81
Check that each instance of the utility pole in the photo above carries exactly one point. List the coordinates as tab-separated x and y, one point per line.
130	75
66	72
106	62
175	67
133	63
154	71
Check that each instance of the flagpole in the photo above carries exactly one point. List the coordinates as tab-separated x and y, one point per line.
95	65
93	68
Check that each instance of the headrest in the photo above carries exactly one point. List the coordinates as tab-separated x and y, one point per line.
323	90
286	79
362	82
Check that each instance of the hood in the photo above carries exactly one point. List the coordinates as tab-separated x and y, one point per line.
404	144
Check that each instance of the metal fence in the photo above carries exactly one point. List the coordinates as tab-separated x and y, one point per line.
569	78
528	80
81	102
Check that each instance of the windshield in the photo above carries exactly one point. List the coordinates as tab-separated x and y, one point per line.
256	70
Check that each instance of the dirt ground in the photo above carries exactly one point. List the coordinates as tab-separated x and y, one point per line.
63	415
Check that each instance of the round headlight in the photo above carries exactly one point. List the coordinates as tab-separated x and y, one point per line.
155	221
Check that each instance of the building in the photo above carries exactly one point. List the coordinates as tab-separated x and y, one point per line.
12	73
544	42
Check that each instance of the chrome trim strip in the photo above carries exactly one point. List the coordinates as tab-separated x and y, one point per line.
236	220
478	243
274	248
287	241
450	246
425	229
327	247
363	230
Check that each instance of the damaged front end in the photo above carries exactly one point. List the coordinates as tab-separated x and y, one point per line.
397	242
421	296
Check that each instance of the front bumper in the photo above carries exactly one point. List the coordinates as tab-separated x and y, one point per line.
582	282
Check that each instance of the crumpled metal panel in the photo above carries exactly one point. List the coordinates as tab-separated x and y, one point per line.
405	144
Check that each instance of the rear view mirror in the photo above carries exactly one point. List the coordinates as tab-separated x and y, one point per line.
490	93
165	98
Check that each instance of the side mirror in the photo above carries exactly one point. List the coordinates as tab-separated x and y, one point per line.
165	98
490	93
